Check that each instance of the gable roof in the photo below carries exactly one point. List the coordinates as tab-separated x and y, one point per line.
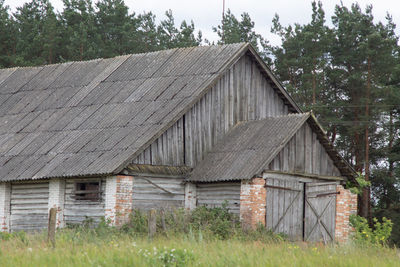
250	146
93	117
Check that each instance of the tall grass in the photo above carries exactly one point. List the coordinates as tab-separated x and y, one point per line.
75	248
207	237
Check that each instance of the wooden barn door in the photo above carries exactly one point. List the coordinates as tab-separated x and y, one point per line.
284	213
302	211
320	210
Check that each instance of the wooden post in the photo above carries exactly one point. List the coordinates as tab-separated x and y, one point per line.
152	223
164	226
52	227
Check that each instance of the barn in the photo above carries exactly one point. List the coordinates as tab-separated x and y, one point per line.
171	129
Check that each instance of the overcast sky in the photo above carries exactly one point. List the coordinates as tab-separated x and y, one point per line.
207	13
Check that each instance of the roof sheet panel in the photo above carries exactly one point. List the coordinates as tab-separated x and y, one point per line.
88	118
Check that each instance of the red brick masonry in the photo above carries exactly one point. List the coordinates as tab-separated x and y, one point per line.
253	197
346	205
123	202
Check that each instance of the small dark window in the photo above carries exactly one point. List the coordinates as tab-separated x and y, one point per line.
88	191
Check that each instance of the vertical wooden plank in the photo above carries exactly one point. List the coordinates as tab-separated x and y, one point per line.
195	134
286	158
316	155
308	149
51	233
323	160
188	139
231	98
216	112
238	91
247	90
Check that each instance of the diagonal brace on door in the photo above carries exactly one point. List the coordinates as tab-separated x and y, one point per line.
319	216
287	209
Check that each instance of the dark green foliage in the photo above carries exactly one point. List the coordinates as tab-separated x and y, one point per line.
233	30
80	36
393	214
35	34
219	221
7	37
376	235
38	34
202	223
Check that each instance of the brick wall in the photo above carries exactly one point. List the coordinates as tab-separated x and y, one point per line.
5	196
56	199
253	196
123	202
118	199
346	205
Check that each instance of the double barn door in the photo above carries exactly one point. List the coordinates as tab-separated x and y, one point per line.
301	210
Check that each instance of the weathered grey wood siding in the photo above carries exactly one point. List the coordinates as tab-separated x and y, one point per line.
241	94
320	212
304	154
167	149
158	193
215	194
77	211
284	211
29	206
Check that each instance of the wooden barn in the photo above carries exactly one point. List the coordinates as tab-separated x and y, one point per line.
170	129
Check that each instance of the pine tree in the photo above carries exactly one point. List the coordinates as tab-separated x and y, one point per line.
7	36
80	35
232	30
38	37
116	27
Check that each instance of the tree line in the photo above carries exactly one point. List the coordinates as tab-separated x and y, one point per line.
348	73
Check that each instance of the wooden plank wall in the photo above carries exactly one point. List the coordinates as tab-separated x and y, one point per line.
304	154
325	206
284	213
214	194
29	206
148	195
241	94
77	211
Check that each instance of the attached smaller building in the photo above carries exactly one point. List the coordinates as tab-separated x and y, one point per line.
290	178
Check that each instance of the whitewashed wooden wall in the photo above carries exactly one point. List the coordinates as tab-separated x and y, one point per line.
241	94
304	154
76	211
29	206
215	194
148	193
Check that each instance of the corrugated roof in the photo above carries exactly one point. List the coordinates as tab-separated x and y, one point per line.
91	118
249	147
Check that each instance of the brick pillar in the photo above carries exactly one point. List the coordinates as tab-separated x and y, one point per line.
253	200
118	199
190	196
346	205
56	199
110	199
5	197
123	207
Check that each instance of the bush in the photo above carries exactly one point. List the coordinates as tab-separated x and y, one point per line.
167	257
218	221
364	234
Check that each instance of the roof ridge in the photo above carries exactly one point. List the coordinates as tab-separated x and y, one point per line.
117	56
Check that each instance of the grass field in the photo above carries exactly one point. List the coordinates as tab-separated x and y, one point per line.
74	248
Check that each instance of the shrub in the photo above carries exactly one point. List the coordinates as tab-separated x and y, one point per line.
364	234
167	257
218	221
138	223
